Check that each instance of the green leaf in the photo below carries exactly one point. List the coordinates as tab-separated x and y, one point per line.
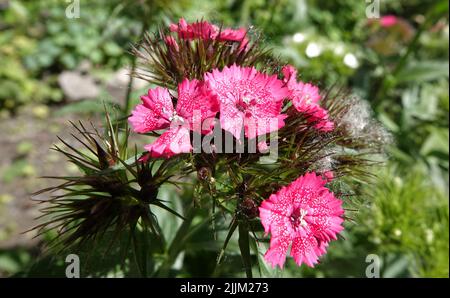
112	49
140	244
244	246
231	230
69	61
423	71
437	141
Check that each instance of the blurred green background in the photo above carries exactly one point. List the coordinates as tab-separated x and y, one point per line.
54	68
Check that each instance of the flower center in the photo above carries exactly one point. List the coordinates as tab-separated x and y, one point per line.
246	99
298	217
243	103
307	99
175	118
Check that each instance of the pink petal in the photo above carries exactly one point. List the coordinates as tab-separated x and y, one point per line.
196	103
304	95
307	249
248	98
231	119
203	30
279	245
275	216
305	98
257	124
232	35
174	141
319	117
171	43
275	210
154	113
388	21
290	76
329	176
305	212
239	35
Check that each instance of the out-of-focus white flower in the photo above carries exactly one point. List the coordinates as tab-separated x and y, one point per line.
397	232
398	181
313	50
350	60
339	50
376	240
429	235
298	37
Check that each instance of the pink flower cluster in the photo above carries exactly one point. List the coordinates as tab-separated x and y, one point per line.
246	99
304	216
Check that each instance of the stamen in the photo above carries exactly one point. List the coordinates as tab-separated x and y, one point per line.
303	222
176	118
308	99
299	219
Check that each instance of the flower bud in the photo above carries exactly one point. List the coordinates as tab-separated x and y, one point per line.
249	208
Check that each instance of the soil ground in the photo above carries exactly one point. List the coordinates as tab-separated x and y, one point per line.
25	155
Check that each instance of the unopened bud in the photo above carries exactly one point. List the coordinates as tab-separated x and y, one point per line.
204	174
249	208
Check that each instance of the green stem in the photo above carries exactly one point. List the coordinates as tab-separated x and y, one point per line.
127	106
244	246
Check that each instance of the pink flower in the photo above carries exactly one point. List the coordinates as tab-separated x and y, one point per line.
203	30
228	34
304	215
305	98
248	99
195	104
239	35
206	30
303	94
388	21
319	116
154	112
